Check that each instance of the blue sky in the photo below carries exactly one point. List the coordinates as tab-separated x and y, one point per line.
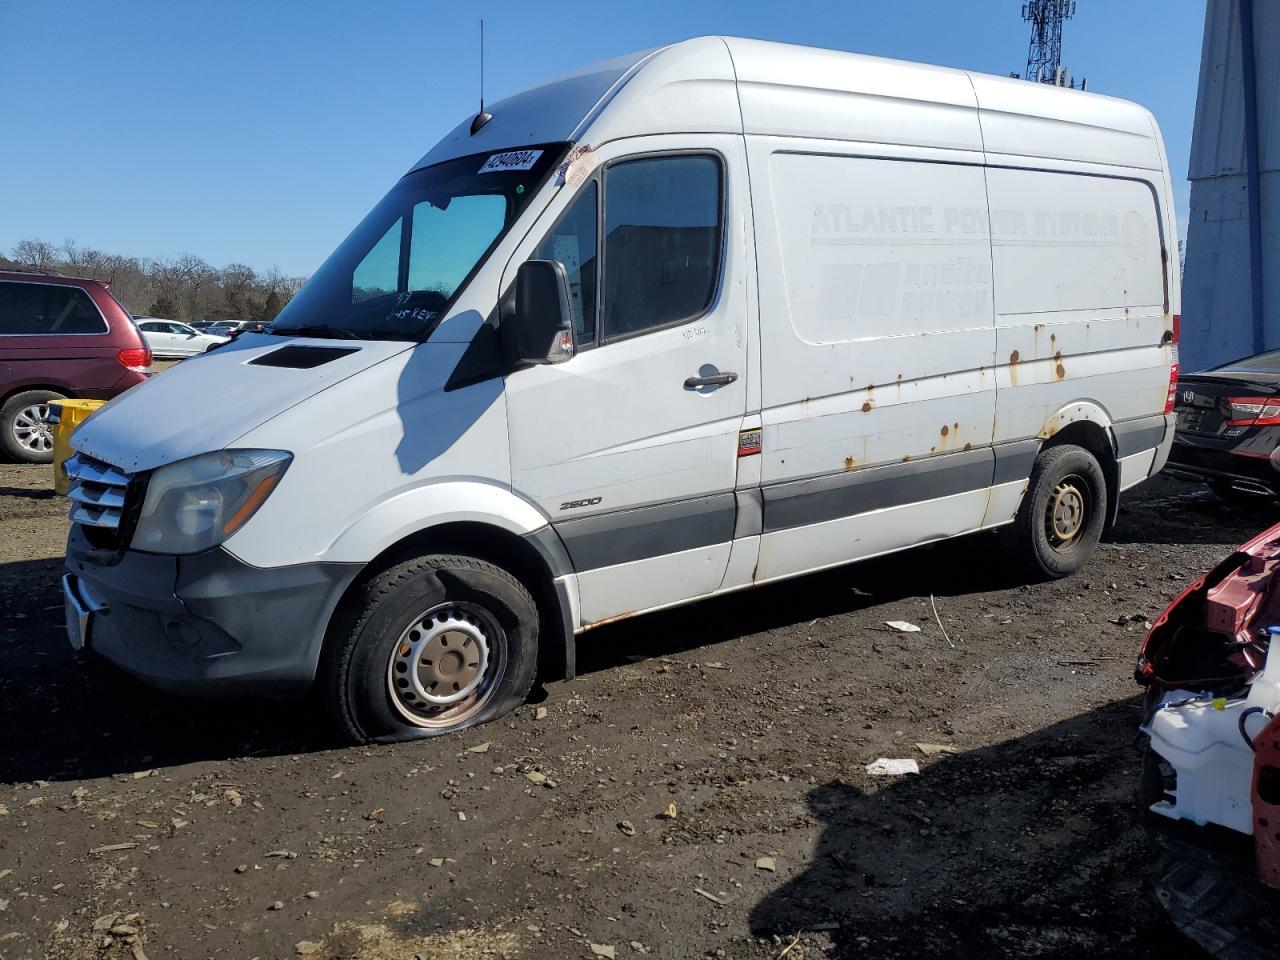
262	131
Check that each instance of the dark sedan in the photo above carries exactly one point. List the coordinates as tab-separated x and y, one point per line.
1229	428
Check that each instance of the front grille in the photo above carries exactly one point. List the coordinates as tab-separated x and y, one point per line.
99	495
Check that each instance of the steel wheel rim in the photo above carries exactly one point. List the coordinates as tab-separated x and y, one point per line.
446	665
32	430
1066	512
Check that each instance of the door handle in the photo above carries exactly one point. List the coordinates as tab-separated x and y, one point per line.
715	380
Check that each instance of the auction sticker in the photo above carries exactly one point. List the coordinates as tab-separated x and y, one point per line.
511	160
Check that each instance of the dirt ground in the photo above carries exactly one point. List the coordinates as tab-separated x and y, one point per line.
237	829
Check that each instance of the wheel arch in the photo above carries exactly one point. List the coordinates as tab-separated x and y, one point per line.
537	558
1086	424
13	390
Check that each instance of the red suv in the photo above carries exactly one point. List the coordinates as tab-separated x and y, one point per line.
59	337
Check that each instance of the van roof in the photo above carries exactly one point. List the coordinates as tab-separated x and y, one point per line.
737	85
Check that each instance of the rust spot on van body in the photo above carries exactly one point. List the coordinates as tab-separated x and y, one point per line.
968	446
945	429
615	619
906	457
1052	427
848	464
867	406
1013	368
1059	371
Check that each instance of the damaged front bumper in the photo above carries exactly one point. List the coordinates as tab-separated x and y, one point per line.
206	624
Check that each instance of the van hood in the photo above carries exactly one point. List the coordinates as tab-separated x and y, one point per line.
212	400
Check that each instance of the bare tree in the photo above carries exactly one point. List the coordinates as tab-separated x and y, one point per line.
197	275
238	281
35	254
184	286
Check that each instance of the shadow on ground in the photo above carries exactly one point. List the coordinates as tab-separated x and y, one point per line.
953	568
67	715
1034	847
1179	512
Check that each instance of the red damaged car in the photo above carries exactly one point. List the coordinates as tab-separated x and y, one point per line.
1211	774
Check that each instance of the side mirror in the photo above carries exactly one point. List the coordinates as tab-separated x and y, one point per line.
543	318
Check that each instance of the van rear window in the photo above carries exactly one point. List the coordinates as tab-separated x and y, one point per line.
45	309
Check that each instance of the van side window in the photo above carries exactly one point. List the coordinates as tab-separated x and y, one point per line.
662	242
41	309
573	243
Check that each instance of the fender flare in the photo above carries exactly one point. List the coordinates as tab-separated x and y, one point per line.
420	508
1076	412
1088	411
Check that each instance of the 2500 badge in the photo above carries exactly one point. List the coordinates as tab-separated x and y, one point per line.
575	504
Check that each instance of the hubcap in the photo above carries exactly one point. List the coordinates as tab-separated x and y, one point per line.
1066	512
32	430
446	665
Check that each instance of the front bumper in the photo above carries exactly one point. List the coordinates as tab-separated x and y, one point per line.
207	624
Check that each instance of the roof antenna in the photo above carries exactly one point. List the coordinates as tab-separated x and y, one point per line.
481	118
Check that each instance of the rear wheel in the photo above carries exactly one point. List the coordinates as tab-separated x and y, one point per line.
26	434
1063	512
429	647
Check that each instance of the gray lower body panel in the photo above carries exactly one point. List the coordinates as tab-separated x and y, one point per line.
1166	444
208	624
606	539
799	503
1145	433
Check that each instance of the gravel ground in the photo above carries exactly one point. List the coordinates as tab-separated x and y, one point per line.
698	791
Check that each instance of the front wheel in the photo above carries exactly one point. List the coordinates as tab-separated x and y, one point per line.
431	646
1063	512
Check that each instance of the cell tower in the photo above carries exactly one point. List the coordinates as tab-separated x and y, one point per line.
1044	55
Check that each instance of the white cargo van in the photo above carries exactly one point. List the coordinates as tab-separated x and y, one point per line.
678	324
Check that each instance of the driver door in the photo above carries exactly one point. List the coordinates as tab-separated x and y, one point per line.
630	447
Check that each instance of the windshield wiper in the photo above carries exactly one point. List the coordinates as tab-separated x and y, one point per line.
320	330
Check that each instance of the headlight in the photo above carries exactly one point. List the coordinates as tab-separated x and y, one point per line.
195	504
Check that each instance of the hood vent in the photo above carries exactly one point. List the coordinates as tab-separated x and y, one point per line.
294	357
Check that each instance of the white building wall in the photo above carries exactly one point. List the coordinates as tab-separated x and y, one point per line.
1217	319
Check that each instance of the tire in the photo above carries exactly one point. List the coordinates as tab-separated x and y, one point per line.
1067	492
21	437
439	626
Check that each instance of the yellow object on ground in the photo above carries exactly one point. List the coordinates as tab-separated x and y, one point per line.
66	415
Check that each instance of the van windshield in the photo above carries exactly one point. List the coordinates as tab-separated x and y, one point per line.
393	277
